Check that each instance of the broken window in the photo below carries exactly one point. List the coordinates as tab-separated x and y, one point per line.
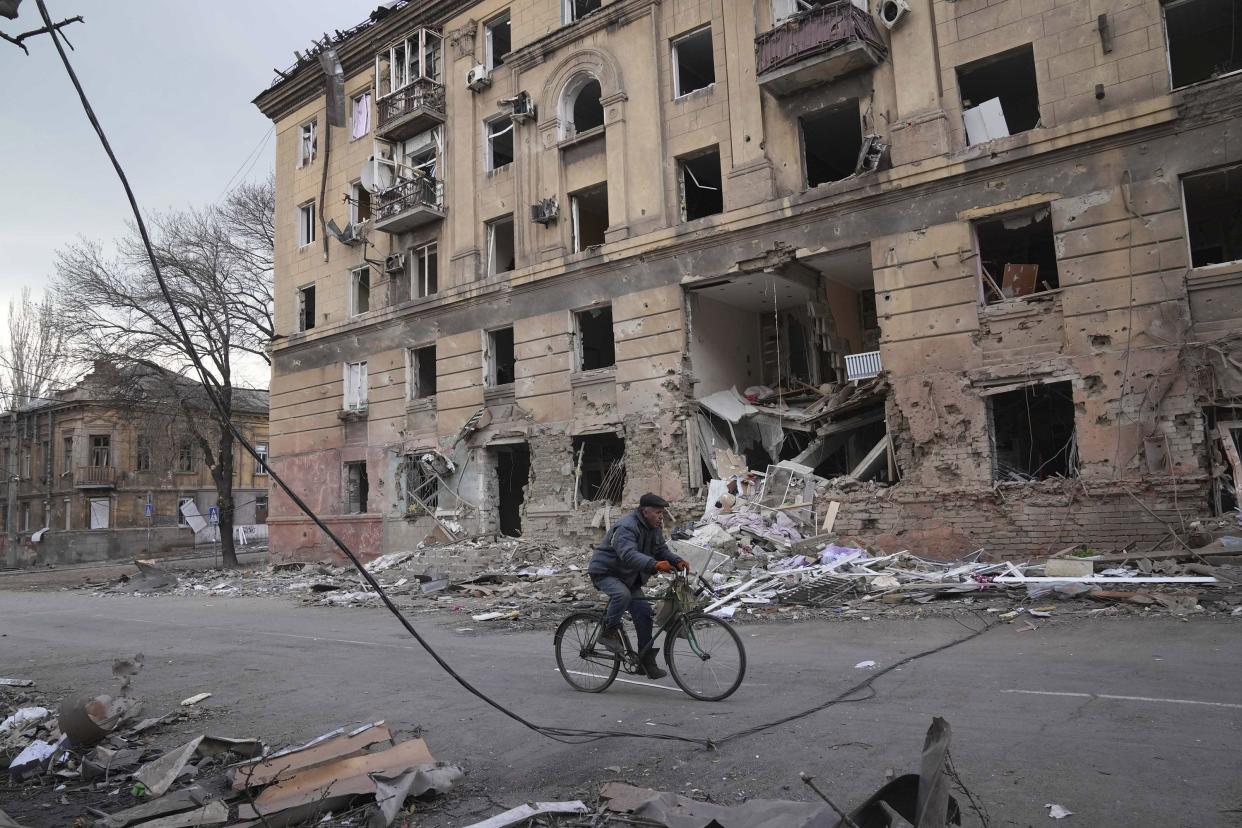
1033	432
501	360
356	488
421	372
701	185
360	115
1204	37
66	460
413	58
1017	256
260	463
308	143
355	386
359	203
1214	215
867	318
784	9
359	291
185	456
499	143
142	459
999	95
575	9
831	141
496	41
422	486
101	450
590	217
586	112
599	466
306	308
596	344
424	269
500	247
694	63
306	224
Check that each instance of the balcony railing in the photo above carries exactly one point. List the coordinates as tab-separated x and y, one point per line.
817	46
410	110
410	203
862	366
94	477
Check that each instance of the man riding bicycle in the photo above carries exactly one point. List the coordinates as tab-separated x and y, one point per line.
632	551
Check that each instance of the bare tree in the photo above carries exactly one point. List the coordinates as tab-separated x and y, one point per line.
217	266
35	359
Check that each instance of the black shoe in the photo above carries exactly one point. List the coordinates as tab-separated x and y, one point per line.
649	665
612	642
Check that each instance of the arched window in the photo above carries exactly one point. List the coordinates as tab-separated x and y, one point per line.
581	109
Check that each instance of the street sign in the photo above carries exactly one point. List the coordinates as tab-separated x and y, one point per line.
149	509
213	515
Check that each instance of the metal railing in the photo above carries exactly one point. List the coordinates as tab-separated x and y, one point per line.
815	30
862	366
421	94
94	476
409	193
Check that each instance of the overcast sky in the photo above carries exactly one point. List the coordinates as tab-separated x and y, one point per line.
172	83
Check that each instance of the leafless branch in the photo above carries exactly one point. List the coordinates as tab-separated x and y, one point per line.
16	40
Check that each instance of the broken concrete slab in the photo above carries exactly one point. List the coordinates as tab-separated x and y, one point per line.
13	682
214	812
171	803
159	774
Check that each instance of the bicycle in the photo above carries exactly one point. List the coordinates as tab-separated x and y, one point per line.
704	654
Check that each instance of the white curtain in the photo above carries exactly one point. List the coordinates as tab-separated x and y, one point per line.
362	116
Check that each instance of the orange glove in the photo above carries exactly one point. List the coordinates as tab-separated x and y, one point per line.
663	566
684	566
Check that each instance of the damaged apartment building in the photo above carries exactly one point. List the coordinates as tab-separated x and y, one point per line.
974	264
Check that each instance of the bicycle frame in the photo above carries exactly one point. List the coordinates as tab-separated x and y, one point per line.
679	614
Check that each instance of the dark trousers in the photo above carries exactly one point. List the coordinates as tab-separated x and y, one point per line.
622	597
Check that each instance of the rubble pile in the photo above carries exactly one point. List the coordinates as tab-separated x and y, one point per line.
95	761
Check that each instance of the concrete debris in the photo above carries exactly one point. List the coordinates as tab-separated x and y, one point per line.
195	699
12	682
159	775
522	813
1056	811
23	717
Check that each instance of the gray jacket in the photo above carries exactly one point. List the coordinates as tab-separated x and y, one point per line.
630	550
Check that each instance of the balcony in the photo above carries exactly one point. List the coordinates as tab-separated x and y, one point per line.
410	110
817	46
94	477
411	203
862	366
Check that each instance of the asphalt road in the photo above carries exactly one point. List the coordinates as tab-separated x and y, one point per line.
1125	722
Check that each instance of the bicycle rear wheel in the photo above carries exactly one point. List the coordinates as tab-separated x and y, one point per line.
583	662
706	657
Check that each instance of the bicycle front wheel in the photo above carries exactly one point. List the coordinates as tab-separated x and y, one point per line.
582	660
706	657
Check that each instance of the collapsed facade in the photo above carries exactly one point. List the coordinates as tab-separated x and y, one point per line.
973	263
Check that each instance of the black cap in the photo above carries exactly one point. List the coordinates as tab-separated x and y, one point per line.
653	500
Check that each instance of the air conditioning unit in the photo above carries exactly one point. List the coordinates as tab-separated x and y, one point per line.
545	212
394	263
523	108
477	78
351	235
892	11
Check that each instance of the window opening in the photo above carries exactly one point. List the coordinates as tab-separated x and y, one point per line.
867	316
359	203
260	509
356	488
424	269
1000	95
694	63
308	143
590	217
701	185
260	463
306	224
499	143
66	459
306	308
577	9
101	450
512	475
355	386
596	344
1017	256
360	116
500	247
1033	434
359	291
185	456
1213	209
416	57
588	112
1205	39
599	465
142	461
497	40
502	362
831	142
421	376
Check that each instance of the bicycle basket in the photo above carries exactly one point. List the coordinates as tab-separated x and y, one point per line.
680	595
